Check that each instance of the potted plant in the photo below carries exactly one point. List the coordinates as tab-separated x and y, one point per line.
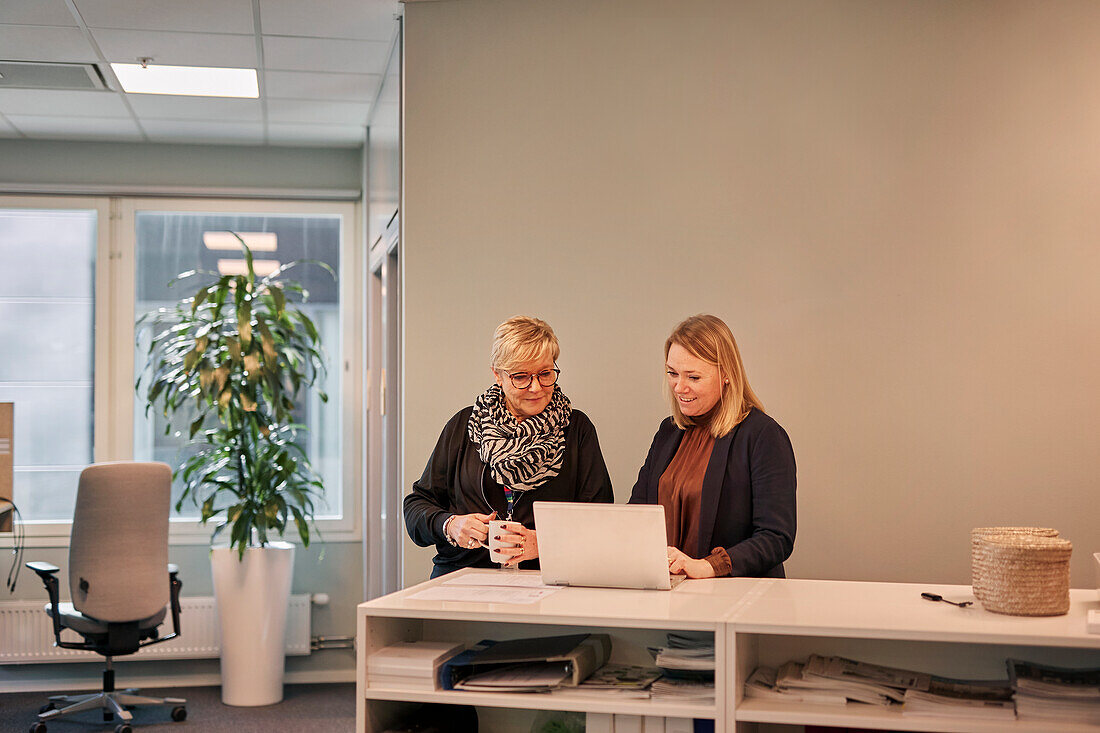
231	360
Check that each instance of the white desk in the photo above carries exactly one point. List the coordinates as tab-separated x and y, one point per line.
754	621
890	624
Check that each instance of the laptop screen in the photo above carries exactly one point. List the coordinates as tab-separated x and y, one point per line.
602	545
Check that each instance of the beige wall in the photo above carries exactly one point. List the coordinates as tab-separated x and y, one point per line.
895	206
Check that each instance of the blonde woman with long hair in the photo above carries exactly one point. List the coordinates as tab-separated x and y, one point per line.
722	469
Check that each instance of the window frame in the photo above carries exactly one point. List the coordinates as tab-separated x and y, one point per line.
114	374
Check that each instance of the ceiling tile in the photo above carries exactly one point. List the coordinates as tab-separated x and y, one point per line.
44	43
181	49
50	102
321	113
313	54
369	20
211	16
36	12
7	130
167	106
349	136
76	128
313	85
204	131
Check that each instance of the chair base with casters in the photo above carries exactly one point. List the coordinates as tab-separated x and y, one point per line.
109	639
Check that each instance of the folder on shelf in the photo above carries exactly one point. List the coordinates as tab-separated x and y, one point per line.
577	655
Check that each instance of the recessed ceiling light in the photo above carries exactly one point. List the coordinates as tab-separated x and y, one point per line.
256	241
193	81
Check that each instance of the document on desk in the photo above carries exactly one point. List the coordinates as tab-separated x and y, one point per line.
500	578
483	594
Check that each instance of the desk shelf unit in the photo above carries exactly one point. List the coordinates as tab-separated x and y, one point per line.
889	624
634	620
754	622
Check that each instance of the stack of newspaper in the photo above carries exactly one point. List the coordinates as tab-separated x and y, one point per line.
836	680
1055	693
764	684
962	698
618	680
687	665
859	681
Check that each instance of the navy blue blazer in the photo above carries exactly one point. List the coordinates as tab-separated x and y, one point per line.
748	502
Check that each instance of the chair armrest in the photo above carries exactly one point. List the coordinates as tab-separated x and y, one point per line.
174	585
43	568
48	573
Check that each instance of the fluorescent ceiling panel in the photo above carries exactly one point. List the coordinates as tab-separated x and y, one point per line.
256	241
192	81
262	268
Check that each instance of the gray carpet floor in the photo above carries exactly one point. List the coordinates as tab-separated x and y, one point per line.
328	707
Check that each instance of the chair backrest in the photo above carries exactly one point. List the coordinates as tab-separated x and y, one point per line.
118	550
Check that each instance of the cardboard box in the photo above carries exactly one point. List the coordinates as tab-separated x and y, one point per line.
7	438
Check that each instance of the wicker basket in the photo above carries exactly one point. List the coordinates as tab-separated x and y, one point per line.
1025	575
976	536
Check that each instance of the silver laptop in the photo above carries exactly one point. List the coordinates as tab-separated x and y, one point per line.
603	545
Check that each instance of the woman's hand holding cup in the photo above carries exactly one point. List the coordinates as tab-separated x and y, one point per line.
470	530
510	543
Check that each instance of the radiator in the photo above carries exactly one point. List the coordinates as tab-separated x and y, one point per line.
26	633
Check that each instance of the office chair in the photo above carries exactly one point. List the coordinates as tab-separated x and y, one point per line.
120	582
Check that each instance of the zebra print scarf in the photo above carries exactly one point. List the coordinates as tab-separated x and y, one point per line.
521	455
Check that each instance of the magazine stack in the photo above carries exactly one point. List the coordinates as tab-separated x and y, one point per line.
687	667
1055	693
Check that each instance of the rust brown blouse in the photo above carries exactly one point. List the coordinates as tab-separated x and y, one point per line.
680	491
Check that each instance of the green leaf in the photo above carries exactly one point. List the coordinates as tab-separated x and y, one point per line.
279	297
244	324
200	297
234	347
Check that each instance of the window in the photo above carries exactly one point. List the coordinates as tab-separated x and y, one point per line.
47	327
81	275
169	243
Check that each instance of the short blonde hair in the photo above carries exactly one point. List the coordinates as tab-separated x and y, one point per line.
709	338
522	339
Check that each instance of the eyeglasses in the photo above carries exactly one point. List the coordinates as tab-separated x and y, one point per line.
547	378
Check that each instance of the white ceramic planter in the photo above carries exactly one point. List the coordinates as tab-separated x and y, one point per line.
252	596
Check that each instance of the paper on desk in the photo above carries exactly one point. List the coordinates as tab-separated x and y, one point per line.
495	578
483	594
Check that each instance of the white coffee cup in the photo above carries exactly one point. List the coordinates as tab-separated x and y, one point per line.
497	528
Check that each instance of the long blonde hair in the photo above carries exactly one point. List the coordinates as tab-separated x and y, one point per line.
709	338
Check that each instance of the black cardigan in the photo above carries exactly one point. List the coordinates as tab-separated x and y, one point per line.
456	481
748	502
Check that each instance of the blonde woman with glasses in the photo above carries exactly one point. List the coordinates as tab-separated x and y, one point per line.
723	470
521	441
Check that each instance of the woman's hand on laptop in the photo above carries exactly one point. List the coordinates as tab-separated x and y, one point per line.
526	544
681	564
